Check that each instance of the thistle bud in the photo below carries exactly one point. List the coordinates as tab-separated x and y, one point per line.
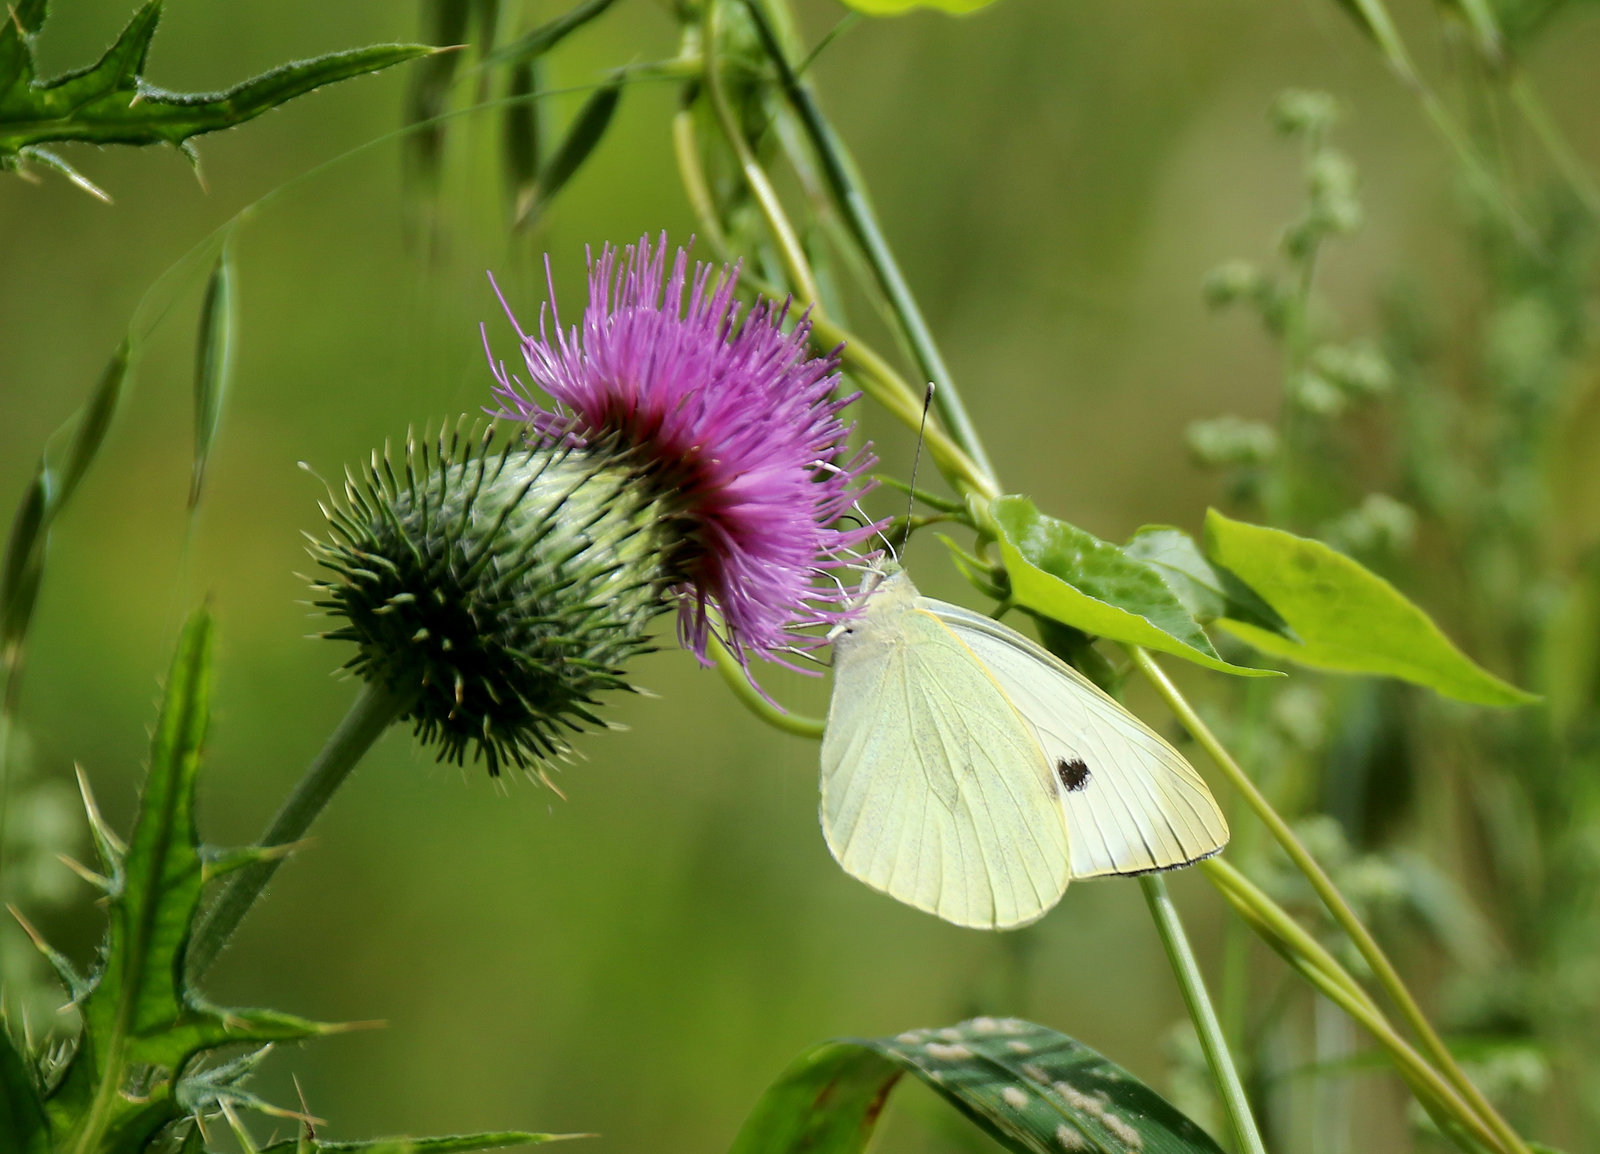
500	592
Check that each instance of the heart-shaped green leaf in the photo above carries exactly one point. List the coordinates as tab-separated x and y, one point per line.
1348	618
1033	1090
1062	572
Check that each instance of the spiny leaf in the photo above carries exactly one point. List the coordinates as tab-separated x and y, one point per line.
138	1012
110	102
1033	1090
213	365
452	1144
1207	590
1062	572
77	985
23	1128
1348	618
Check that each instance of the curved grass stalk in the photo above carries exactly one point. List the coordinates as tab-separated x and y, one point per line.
1382	968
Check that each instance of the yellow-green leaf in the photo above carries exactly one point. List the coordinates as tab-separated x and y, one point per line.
896	7
1348	618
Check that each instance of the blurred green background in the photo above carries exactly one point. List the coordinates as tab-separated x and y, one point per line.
641	959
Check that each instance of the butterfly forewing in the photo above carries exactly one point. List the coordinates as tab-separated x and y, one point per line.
1132	802
934	790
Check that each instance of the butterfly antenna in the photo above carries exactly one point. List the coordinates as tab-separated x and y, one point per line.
916	459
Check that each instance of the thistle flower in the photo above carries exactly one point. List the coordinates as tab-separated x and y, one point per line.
737	428
690	459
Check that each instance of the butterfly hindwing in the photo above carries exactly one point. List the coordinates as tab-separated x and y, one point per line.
1132	802
934	789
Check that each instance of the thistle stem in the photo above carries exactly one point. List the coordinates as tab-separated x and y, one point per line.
1382	968
1229	1089
372	713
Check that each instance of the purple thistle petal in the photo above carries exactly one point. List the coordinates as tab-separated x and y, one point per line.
742	425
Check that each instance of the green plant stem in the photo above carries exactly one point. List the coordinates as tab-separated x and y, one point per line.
1544	127
1311	960
1383	970
755	176
1229	1089
876	376
862	221
372	713
751	698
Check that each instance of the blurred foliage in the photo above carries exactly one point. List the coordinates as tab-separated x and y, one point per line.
1055	179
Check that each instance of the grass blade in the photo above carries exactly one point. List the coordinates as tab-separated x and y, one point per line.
213	365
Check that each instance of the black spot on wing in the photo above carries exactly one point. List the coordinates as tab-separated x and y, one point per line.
1074	774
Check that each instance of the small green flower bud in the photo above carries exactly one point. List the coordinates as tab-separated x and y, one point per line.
498	591
1316	394
1297	112
1378	524
1235	280
1231	441
1358	369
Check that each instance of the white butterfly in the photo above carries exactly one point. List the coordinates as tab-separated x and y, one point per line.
970	773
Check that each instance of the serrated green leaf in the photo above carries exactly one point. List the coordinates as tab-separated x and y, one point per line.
1033	1090
546	36
213	365
110	102
1207	590
896	7
1062	572
137	992
138	1011
23	1127
1348	618
451	1144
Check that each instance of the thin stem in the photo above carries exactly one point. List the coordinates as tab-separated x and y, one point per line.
863	223
1192	983
1307	957
876	376
1383	970
371	714
1549	134
738	680
755	176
